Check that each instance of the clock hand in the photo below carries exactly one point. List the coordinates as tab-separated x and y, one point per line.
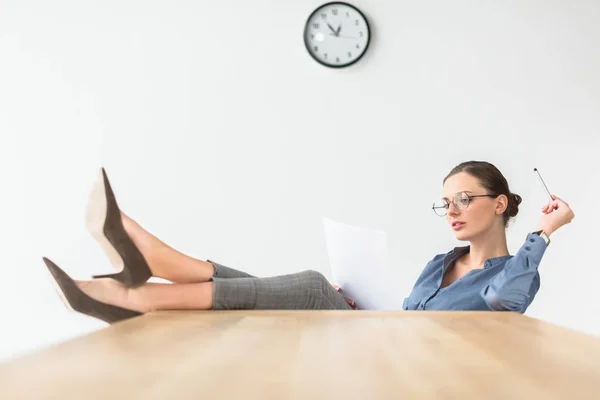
345	37
331	27
338	30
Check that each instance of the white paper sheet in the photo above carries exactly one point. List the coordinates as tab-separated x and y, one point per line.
359	263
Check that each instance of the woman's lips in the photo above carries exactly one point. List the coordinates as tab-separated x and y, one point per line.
458	225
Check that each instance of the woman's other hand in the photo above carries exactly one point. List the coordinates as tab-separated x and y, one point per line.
556	214
348	300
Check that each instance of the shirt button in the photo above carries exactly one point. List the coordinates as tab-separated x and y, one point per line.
532	240
527	248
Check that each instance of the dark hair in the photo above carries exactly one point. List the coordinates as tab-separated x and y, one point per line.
492	179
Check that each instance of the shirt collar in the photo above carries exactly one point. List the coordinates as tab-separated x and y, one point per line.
459	251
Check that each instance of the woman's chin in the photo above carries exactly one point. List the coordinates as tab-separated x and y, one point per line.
462	235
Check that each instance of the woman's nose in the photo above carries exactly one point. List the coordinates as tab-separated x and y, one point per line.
452	209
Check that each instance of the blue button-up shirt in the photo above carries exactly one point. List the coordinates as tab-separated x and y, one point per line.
507	283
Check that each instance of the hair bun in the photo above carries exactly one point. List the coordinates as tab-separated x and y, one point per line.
513	204
517	198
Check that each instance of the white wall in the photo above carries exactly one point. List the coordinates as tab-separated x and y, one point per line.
223	137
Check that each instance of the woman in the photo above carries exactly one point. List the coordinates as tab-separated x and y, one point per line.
477	204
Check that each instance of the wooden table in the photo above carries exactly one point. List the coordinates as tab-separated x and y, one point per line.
314	355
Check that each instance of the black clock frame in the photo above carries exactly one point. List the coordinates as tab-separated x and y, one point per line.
307	44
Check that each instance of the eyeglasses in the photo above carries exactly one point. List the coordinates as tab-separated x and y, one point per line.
461	201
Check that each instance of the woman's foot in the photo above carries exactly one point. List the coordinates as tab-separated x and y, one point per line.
103	220
76	299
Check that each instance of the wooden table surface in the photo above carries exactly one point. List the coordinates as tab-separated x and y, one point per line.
314	355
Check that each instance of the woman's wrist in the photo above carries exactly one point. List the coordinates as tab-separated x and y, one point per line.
547	230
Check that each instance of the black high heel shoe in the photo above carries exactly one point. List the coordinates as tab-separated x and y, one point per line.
105	225
76	300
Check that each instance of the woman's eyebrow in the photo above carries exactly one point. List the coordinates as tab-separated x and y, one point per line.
466	191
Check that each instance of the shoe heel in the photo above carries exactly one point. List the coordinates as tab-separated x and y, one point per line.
125	277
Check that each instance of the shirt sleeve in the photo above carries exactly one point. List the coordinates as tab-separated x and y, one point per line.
514	288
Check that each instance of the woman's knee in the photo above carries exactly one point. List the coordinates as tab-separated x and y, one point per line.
315	279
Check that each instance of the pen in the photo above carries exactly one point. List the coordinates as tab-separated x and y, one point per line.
543	184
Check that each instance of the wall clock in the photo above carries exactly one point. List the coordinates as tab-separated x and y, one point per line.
337	34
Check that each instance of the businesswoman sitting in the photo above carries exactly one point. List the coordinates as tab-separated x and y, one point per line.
477	204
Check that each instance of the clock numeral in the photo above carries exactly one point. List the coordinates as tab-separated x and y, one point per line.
349	54
337	59
361	33
358	46
324	16
347	14
316	48
316	25
334	11
356	22
312	36
324	55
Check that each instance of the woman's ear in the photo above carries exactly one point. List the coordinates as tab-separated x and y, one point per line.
501	204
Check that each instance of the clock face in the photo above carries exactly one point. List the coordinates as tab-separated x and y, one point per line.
337	34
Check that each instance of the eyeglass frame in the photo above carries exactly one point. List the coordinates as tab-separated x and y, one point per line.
469	196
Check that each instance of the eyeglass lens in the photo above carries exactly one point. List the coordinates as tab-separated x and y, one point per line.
461	201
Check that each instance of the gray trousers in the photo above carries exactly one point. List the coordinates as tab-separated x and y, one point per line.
307	290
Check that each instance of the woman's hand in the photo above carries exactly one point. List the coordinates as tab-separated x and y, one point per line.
348	300
556	214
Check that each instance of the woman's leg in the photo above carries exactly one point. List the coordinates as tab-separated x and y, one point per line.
150	296
170	264
308	290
